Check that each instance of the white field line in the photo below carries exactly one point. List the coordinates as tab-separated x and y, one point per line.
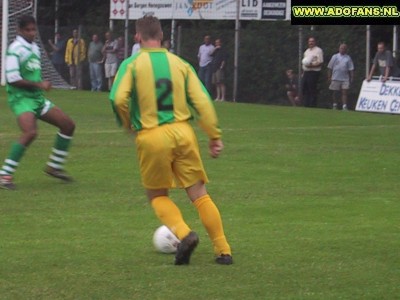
77	132
84	132
313	127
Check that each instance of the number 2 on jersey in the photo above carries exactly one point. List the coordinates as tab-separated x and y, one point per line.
164	87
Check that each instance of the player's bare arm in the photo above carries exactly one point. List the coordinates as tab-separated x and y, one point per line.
26	84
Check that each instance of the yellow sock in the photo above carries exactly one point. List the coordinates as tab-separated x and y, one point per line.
170	215
211	219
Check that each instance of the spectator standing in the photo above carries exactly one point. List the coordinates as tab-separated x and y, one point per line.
25	91
58	53
218	69
167	45
312	65
95	57
110	49
385	62
75	55
150	99
340	75
136	45
121	49
205	59
291	86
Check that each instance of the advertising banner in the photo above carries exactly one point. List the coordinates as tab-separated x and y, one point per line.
273	9
380	97
200	9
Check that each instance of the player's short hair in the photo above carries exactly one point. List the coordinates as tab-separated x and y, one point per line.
149	28
25	20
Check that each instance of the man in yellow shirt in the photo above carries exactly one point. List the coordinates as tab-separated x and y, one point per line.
75	55
153	95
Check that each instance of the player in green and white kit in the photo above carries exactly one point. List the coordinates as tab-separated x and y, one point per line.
25	97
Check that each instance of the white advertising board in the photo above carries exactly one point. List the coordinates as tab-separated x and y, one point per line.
380	97
200	9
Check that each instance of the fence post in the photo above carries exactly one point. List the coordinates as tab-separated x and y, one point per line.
236	55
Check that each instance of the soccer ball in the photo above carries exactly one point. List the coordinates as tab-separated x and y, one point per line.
164	240
306	61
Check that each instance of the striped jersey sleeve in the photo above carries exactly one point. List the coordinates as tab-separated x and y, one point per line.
22	61
155	87
12	68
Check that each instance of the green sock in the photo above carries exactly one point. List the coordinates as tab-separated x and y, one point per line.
12	161
62	142
59	152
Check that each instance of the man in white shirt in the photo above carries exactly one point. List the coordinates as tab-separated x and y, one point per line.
205	58
136	45
312	64
340	75
110	49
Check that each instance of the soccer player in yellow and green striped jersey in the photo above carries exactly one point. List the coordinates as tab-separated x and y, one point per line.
26	99
153	96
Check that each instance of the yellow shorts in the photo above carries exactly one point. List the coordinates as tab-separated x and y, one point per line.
169	156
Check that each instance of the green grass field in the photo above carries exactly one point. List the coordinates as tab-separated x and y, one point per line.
310	200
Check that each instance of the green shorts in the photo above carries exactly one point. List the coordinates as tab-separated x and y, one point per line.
39	105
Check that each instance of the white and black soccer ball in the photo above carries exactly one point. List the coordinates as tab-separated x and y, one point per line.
307	61
164	240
